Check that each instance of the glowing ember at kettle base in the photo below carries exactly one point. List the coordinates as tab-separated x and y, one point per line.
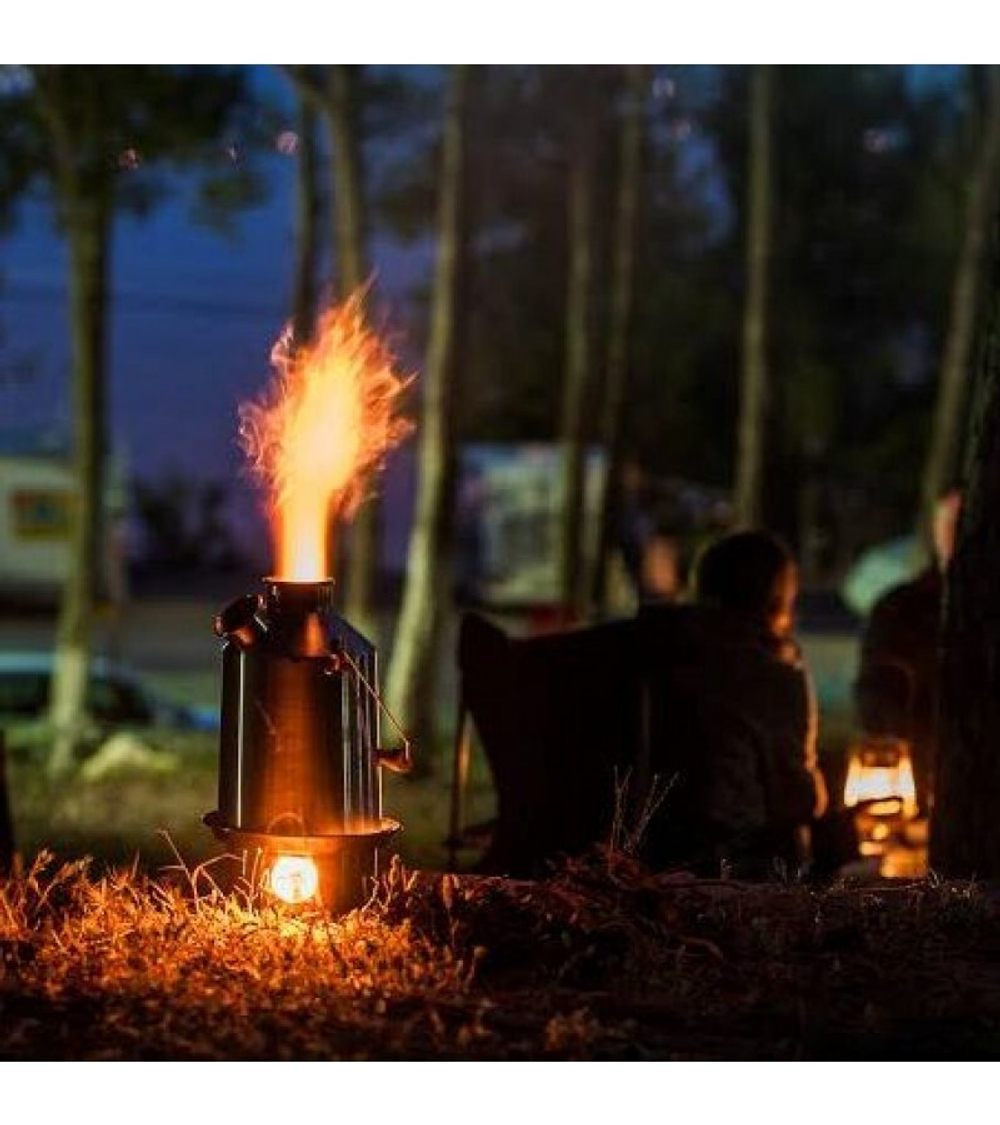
293	878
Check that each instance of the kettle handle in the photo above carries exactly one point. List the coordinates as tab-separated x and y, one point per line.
399	759
396	758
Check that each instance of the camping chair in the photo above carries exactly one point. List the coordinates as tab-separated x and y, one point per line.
558	718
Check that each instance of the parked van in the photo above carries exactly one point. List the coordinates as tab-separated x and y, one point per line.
37	492
36	498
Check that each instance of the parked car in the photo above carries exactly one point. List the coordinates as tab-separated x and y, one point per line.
116	696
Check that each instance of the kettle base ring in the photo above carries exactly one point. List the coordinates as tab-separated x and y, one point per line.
347	862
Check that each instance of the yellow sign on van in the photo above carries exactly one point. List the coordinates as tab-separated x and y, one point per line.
41	513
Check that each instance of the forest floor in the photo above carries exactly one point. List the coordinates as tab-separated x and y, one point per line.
601	960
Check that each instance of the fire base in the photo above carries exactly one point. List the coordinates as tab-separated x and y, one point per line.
347	864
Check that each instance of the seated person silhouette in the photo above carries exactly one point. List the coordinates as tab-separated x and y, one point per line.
580	727
731	717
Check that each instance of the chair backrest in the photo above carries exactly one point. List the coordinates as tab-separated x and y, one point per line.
557	716
676	696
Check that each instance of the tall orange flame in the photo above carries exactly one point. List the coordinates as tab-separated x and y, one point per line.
319	432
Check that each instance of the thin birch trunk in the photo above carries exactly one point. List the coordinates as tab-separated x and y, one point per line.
414	653
307	208
748	500
344	103
85	213
88	233
622	300
580	223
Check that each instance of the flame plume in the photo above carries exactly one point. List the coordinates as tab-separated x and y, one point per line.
319	432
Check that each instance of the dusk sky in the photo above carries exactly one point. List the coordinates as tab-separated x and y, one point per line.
194	315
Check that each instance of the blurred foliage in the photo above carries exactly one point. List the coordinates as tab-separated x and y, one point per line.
127	126
867	206
870	164
183	524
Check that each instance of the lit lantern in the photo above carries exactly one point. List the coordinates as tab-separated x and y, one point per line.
881	788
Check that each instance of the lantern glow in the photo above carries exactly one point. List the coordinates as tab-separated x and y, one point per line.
880	788
293	878
882	773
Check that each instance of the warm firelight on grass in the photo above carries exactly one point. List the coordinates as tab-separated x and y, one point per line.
319	431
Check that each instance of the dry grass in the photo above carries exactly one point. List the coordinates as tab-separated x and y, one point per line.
602	960
118	965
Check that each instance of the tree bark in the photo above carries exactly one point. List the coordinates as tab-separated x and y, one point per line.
580	225
954	377
307	207
84	207
748	498
616	377
965	830
88	231
350	222
410	685
343	110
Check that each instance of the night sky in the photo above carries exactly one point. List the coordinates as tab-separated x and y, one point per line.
194	315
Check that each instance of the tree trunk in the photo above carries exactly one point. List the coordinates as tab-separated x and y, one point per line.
307	205
343	114
427	591
749	491
953	381
343	118
622	294
88	231
965	831
580	225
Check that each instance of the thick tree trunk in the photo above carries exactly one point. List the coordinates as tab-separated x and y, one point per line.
622	294
952	386
965	823
427	591
88	232
307	208
572	432
748	500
